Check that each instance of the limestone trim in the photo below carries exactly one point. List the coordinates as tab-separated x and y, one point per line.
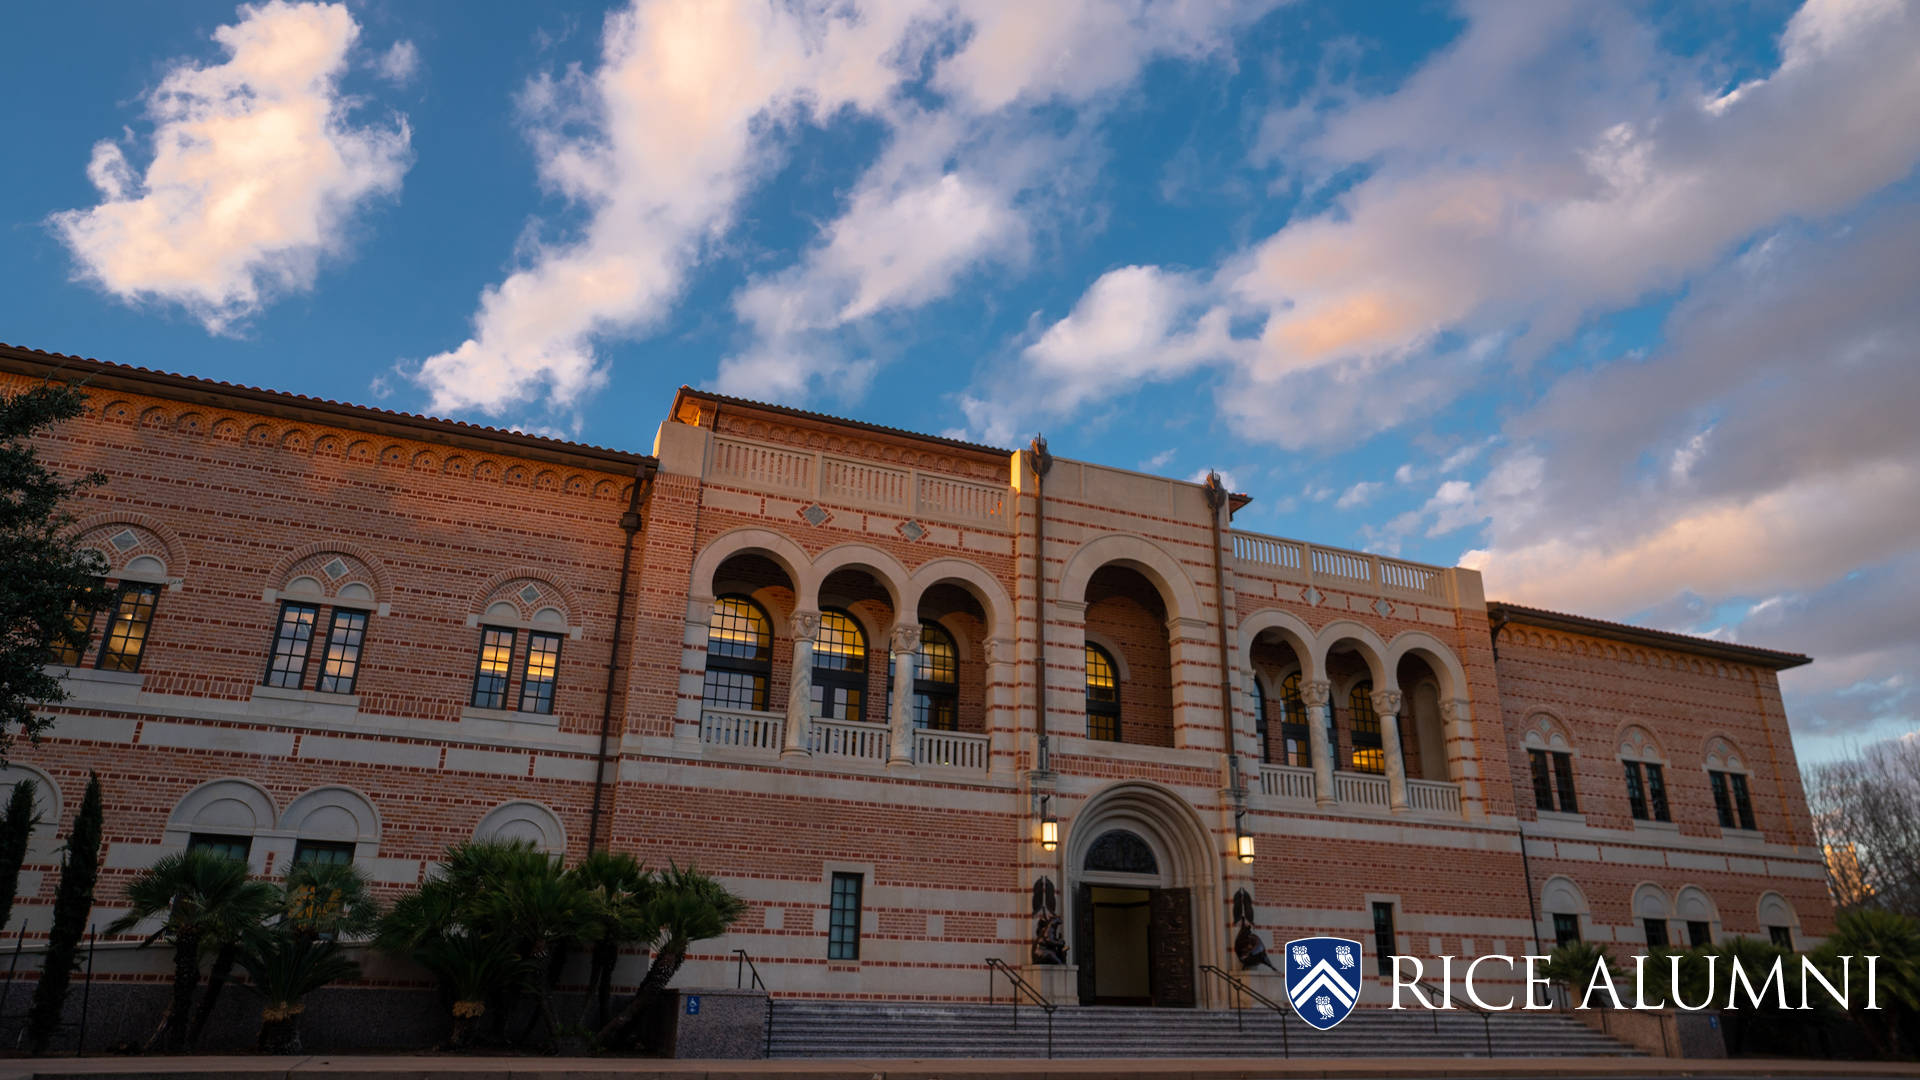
1772	909
176	552
1636	743
1692	904
47	800
984	587
1446	666
1297	634
334	812
231	806
885	569
1137	553
524	819
381	583
783	552
1368	645
1544	730
564	596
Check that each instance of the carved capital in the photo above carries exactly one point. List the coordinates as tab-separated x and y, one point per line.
1452	710
1316	694
1386	702
906	638
999	650
805	625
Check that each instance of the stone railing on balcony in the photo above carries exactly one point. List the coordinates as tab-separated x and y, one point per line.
856	739
906	492
1338	568
951	749
742	730
1433	797
1287	782
1365	789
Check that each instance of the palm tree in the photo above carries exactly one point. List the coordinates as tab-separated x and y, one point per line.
284	967
207	901
329	900
1895	939
687	906
1572	966
623	890
1761	1026
542	909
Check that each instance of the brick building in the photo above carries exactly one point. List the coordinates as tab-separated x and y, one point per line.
889	687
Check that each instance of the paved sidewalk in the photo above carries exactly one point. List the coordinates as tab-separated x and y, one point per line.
345	1067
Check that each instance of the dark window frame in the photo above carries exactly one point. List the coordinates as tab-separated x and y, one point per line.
294	675
1542	771
840	673
936	701
1103	713
1260	729
329	680
1636	791
1566	928
80	620
1296	726
220	842
844	902
1780	935
1657	791
497	702
1384	937
321	847
1699	933
1564	783
1743	801
1363	731
543	688
121	592
1655	928
756	669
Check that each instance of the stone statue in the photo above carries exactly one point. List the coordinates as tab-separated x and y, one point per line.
1247	944
1049	933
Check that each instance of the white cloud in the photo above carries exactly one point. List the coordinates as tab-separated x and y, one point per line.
256	171
1159	460
1403	474
399	64
1358	495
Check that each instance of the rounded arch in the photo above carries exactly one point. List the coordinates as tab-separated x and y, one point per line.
1694	905
1636	743
981	585
523	819
1773	909
557	593
230	804
1369	646
1561	895
885	569
1544	730
1650	902
1445	665
1291	627
1723	755
333	812
46	795
1136	553
161	540
785	553
1115	654
382	582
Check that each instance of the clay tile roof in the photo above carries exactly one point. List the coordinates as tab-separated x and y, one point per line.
1501	612
825	418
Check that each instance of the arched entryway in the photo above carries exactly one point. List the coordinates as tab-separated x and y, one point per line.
1142	898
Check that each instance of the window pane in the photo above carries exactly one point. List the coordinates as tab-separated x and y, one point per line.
1636	795
1741	801
843	918
1722	802
1363	724
342	665
1656	931
1296	740
1383	947
1657	792
1260	720
81	621
1563	775
543	668
841	645
1698	934
735	690
939	659
738	630
1781	936
233	847
496	660
1542	780
1103	696
127	628
322	852
1566	928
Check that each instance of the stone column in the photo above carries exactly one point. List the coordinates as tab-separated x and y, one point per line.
906	646
1386	706
806	627
1317	696
1463	756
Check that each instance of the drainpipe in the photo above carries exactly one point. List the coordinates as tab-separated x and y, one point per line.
1533	915
1042	463
630	523
1216	494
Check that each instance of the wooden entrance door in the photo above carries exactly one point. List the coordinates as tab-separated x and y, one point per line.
1170	948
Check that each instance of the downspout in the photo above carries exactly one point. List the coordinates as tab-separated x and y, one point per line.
630	523
1042	463
1216	495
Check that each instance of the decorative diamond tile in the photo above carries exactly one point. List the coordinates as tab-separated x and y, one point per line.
1313	596
530	593
1382	608
123	539
815	515
913	530
335	568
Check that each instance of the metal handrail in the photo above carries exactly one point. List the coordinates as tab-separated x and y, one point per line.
1486	1016
742	966
1240	988
1020	986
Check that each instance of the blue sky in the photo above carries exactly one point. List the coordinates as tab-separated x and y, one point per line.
1615	302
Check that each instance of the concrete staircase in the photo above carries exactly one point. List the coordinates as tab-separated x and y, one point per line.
833	1029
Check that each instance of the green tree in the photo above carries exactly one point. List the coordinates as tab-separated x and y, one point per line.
16	832
624	892
687	906
542	910
50	583
1895	939
1571	966
207	901
71	906
283	967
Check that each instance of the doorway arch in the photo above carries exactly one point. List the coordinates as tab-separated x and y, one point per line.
1142	867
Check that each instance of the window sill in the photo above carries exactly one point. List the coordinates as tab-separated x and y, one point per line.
1743	836
1666	827
311	697
1561	816
96	675
511	716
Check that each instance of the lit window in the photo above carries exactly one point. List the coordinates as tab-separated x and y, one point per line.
936	680
127	629
839	668
843	918
1295	739
543	668
80	620
233	847
739	655
490	674
1103	696
342	665
1364	723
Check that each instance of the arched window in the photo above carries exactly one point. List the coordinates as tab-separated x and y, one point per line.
1260	717
1103	696
1365	725
936	680
739	655
839	668
1294	736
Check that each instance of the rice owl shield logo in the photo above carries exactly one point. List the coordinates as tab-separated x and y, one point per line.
1323	978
